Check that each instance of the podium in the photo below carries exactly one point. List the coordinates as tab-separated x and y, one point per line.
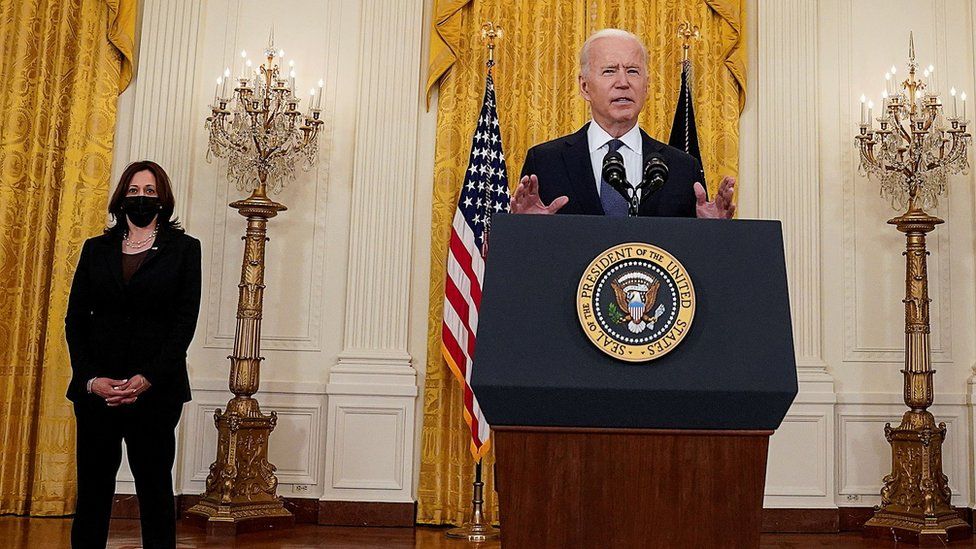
596	452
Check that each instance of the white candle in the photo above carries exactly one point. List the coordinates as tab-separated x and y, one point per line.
884	103
291	79
217	89
963	97
223	87
888	83
311	100
863	107
952	92
318	102
871	113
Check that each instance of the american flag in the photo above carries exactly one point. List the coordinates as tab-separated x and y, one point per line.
485	192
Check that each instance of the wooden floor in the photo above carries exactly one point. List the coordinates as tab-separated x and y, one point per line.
22	533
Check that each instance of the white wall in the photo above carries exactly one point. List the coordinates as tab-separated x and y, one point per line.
810	62
340	355
344	365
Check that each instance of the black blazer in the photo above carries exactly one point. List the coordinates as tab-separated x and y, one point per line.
144	327
563	167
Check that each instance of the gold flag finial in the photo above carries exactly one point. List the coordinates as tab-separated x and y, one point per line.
687	32
489	33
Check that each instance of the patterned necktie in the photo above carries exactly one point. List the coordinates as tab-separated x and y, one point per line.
613	202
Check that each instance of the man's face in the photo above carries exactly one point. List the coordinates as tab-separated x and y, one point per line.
615	84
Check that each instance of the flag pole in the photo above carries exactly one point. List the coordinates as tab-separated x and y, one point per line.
479	530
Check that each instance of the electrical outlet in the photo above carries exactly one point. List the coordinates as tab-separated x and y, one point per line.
300	488
853	498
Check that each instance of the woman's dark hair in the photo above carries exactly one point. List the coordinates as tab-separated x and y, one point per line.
163	190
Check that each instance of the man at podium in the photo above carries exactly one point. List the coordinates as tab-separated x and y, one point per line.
566	175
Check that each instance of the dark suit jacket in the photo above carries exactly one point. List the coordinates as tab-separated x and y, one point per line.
563	168
144	327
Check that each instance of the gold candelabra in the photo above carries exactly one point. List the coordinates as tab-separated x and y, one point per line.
912	153
263	136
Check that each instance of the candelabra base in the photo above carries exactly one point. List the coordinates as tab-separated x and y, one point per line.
230	520
915	500
917	530
241	487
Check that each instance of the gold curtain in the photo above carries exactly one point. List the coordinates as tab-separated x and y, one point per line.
63	64
538	100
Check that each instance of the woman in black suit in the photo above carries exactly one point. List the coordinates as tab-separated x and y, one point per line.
131	315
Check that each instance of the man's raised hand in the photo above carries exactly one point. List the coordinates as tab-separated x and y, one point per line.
526	199
720	208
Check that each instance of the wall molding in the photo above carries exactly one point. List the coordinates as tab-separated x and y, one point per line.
373	386
228	225
789	161
854	349
294	446
851	455
163	94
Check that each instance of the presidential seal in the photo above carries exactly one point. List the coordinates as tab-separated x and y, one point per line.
635	302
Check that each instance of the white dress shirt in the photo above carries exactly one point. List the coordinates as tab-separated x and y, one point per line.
632	151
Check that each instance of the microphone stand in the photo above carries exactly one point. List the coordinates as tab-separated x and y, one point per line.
635	199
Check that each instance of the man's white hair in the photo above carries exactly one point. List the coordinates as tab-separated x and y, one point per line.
584	56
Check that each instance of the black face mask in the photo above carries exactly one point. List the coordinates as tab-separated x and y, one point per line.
140	210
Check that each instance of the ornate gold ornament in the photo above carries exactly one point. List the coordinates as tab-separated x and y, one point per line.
635	302
911	155
687	32
262	139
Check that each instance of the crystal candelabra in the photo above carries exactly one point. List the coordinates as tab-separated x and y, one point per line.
912	154
915	147
263	136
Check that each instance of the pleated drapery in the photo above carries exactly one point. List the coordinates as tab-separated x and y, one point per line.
63	64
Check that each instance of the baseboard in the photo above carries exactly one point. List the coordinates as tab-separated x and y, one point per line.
307	511
826	521
367	513
374	513
801	520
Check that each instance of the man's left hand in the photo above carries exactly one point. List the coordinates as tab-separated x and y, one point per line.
720	208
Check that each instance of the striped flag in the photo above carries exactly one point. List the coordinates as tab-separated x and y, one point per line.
485	192
684	134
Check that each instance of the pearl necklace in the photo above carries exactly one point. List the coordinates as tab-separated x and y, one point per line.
140	243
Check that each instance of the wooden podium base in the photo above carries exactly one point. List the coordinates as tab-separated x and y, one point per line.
598	488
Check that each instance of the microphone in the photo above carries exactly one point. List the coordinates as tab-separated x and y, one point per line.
615	174
655	174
